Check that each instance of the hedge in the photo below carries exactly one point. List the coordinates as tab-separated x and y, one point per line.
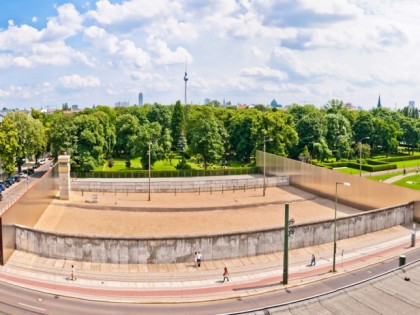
376	162
178	173
373	168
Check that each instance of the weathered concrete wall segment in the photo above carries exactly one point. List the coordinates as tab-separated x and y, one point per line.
27	211
362	193
223	246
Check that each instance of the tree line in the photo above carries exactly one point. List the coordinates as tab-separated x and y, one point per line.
210	133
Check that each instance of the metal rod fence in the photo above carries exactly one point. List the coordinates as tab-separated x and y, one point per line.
176	186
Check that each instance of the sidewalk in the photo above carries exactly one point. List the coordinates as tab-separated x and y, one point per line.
182	282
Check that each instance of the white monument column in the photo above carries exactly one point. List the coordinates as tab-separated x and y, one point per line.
64	176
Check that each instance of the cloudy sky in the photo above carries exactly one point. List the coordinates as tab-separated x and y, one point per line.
244	51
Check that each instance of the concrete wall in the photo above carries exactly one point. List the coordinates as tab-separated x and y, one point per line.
224	246
362	193
27	210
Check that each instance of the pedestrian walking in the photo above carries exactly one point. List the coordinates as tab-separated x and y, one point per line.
73	275
313	261
225	275
198	258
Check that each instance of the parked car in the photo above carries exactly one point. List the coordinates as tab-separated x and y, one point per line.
16	178
23	174
1	196
30	171
5	184
2	188
41	161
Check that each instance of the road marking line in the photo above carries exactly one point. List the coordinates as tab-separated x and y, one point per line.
38	308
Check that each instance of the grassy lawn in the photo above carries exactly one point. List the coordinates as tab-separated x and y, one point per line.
119	166
412	182
408	164
165	165
383	177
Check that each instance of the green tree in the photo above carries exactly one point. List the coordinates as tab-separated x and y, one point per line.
240	130
204	135
386	135
160	114
311	129
148	135
338	135
31	136
108	131
363	125
90	141
9	145
63	136
126	127
178	122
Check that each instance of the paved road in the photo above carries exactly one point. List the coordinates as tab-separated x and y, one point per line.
368	298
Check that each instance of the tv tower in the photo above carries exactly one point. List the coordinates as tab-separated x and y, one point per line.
185	80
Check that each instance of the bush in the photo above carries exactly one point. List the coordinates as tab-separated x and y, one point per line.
376	162
110	162
183	165
373	168
401	158
336	164
127	164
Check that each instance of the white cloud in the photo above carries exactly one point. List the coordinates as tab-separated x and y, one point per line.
66	24
75	81
247	51
125	49
107	13
163	55
264	73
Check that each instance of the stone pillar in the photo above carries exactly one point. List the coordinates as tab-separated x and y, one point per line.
64	176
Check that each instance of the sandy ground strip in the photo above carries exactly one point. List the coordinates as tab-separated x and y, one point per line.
132	215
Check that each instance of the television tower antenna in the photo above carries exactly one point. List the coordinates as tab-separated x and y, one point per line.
185	80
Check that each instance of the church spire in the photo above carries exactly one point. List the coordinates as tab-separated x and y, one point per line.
379	102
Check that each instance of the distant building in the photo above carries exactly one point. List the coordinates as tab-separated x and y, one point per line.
122	104
206	101
411	104
350	106
275	104
74	107
379	102
140	99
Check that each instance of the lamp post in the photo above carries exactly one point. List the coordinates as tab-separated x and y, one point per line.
264	186
360	153
150	147
335	219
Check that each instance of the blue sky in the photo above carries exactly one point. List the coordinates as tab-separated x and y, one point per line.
243	51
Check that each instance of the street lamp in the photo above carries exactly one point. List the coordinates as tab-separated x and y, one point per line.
150	147
335	219
360	153
264	186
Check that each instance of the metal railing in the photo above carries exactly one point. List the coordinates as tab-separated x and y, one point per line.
168	174
180	186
